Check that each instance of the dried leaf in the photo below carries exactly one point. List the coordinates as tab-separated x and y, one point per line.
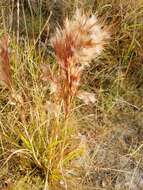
52	108
53	87
5	73
47	76
46	72
17	98
86	97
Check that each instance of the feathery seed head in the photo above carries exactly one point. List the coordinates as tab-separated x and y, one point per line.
81	40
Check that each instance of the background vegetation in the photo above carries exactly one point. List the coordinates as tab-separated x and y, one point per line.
101	145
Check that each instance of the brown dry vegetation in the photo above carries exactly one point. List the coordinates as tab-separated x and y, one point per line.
104	140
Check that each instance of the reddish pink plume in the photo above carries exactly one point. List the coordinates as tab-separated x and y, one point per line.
5	72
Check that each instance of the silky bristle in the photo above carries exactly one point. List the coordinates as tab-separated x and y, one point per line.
81	39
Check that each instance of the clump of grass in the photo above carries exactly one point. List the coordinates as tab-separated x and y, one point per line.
34	142
39	132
